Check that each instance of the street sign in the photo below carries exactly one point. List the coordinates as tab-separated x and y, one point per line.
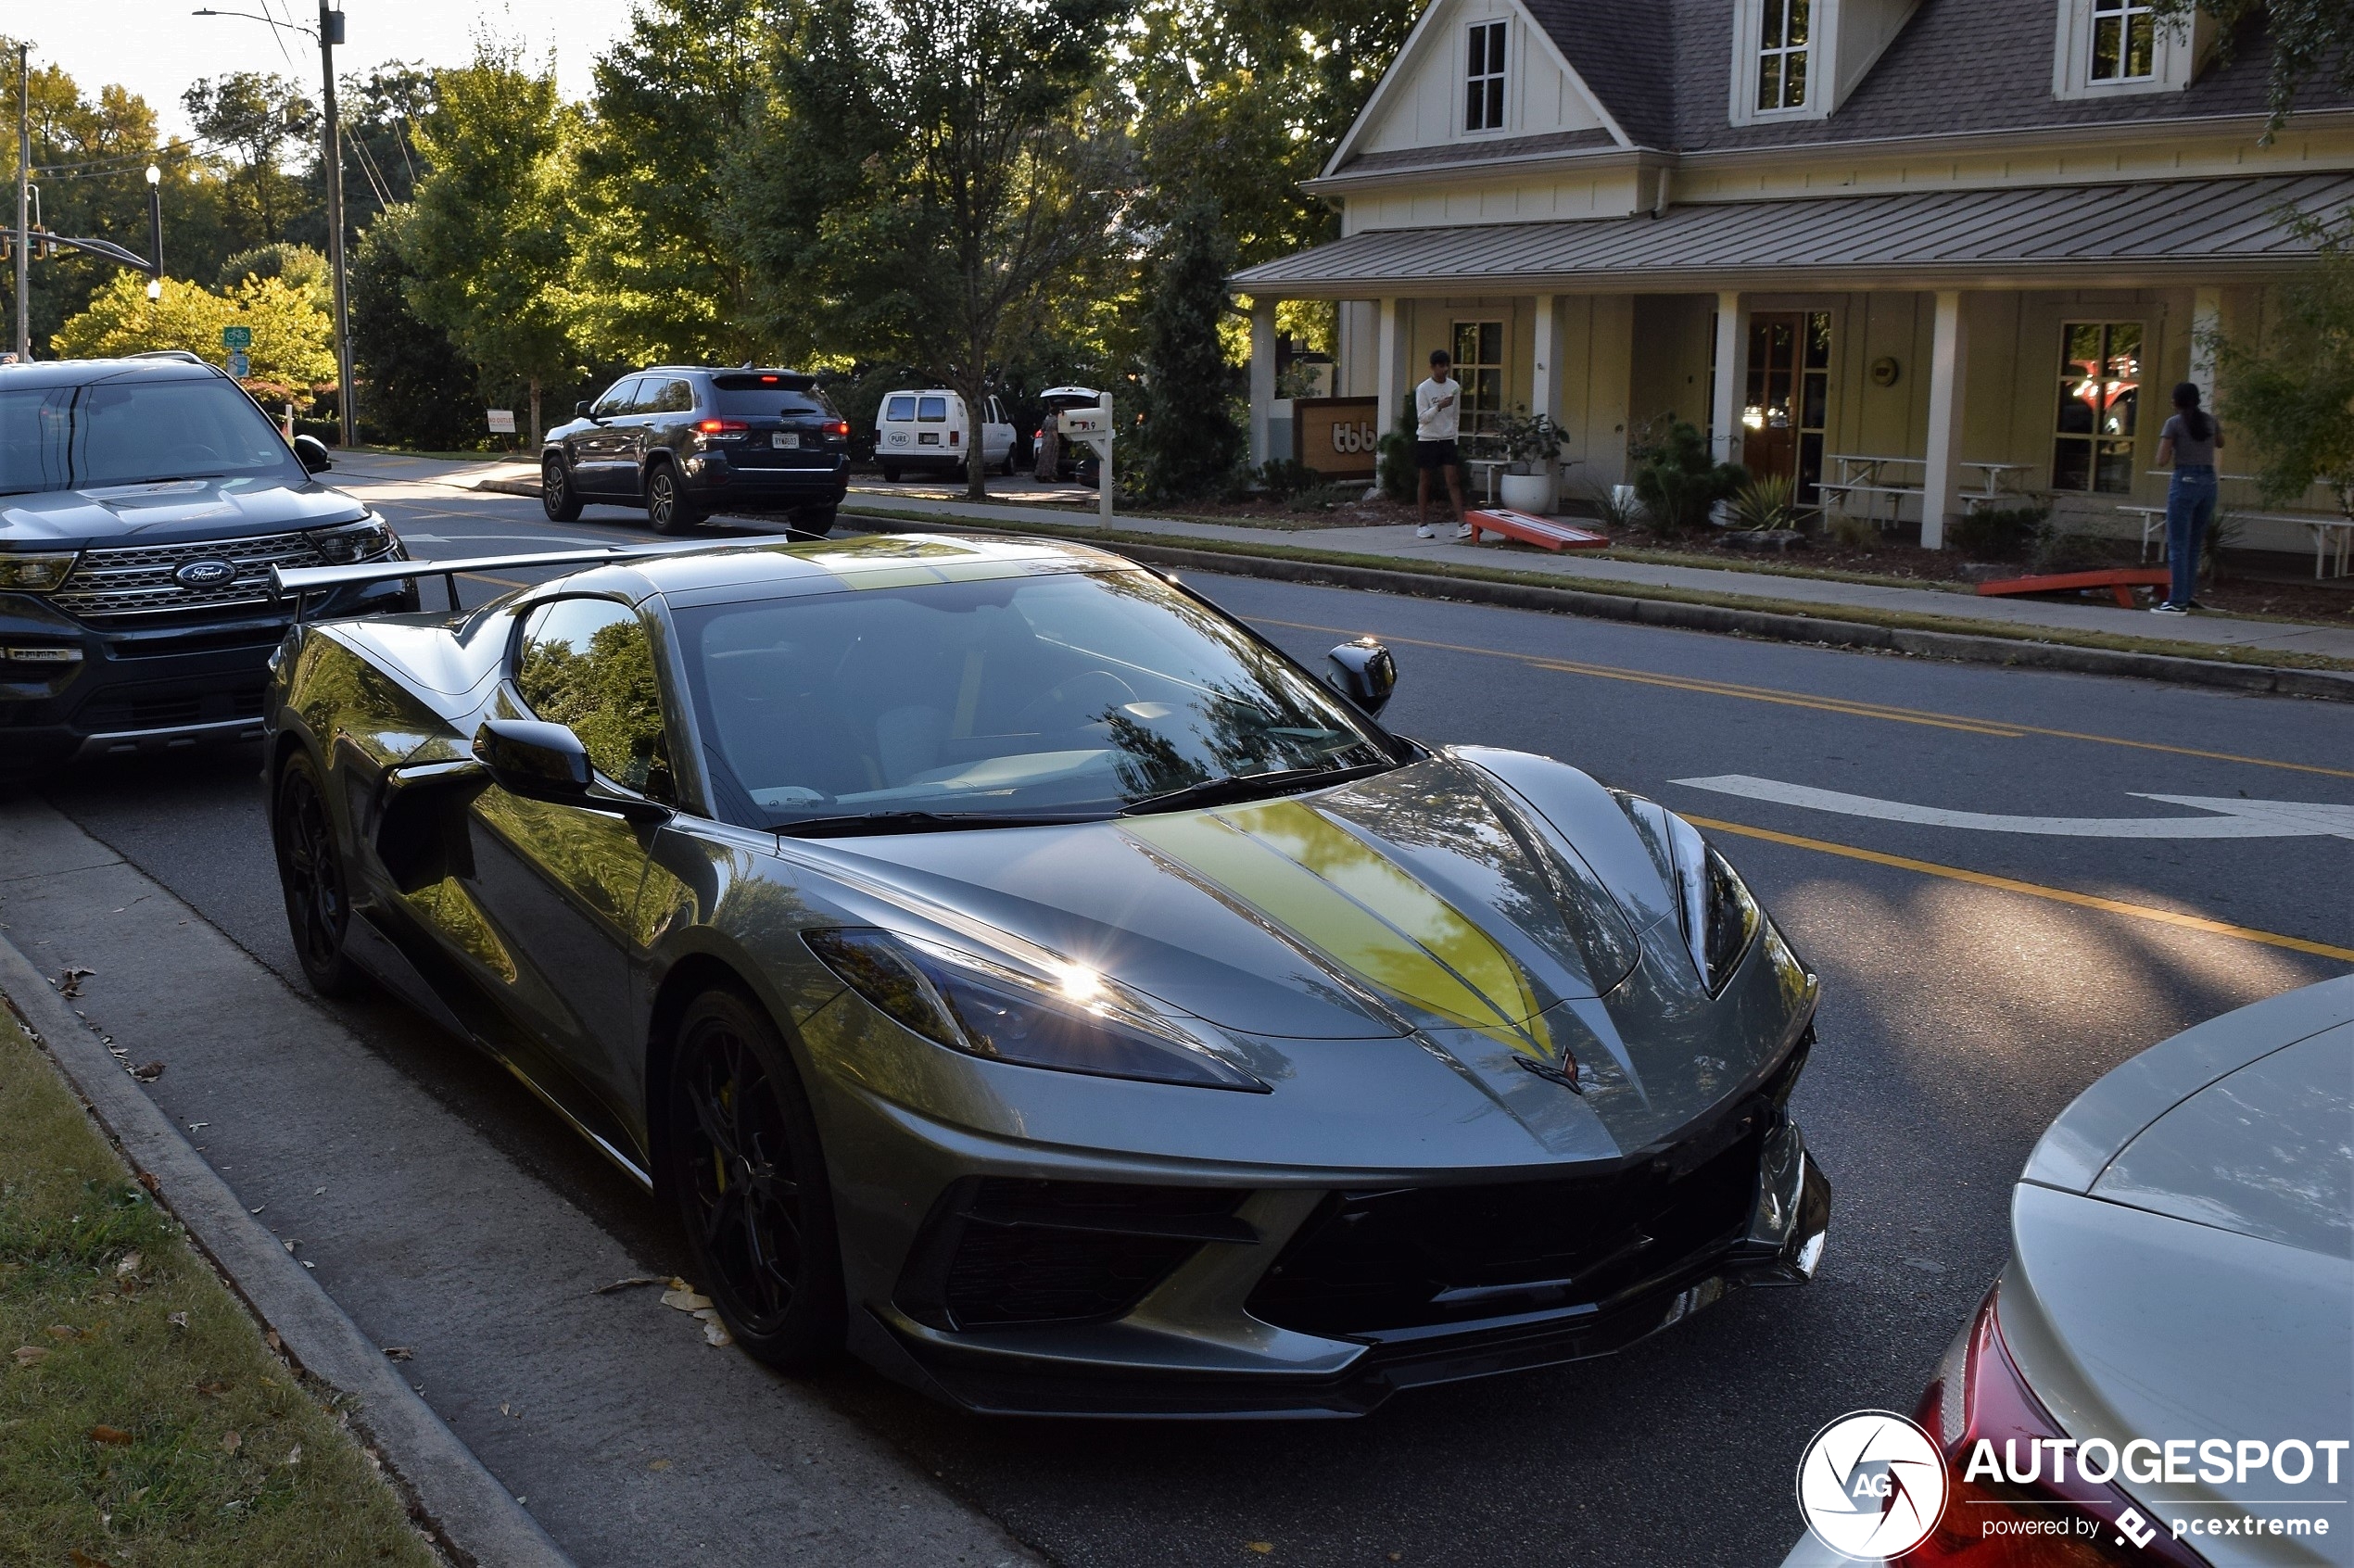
239	365
502	422
236	338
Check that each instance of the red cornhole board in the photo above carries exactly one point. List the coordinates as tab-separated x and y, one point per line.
2121	581
1527	530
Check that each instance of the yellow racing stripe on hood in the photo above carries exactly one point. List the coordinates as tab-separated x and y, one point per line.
1343	900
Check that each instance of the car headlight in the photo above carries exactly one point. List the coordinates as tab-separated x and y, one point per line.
1078	1023
1712	904
36	574
354	542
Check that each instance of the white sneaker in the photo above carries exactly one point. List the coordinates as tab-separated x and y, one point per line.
2168	610
1426	531
1463	531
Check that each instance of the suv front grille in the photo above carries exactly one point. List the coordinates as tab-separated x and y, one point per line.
130	582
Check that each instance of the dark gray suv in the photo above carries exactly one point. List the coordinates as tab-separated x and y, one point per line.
143	502
682	441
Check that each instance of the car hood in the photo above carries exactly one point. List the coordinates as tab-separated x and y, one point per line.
169	512
1423	899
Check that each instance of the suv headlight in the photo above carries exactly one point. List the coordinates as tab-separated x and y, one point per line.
1078	1023
354	542
36	574
1712	904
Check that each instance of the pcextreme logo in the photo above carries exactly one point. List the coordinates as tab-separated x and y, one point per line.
1871	1485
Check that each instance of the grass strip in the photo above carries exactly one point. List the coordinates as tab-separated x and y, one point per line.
143	1419
1901	620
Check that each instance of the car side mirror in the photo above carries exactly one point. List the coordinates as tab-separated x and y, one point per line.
314	453
1364	672
580	410
536	760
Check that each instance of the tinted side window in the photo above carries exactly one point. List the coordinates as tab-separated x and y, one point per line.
900	408
619	400
676	398
932	411
589	663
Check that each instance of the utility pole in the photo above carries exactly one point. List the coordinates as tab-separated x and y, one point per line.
24	201
330	34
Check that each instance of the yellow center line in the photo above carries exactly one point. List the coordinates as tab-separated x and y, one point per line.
2005	729
2032	890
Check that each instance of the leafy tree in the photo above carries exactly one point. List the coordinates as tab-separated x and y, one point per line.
2290	391
489	244
299	266
419	389
675	99
264	119
2310	39
380	111
1191	444
927	172
291	353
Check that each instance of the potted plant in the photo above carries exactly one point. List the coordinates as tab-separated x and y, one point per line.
1532	442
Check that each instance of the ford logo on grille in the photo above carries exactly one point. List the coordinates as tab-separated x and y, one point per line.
211	572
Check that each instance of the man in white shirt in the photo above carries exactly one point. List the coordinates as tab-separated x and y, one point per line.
1438	413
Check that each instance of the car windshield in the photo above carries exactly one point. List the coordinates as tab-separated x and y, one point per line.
136	429
1073	694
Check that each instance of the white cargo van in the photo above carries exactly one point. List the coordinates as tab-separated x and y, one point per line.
926	432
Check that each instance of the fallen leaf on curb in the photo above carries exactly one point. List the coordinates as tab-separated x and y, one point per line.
113	1436
659	1464
178	1320
1260	1547
63	1330
127	1264
294	1455
230	1441
147	1072
80	1559
686	1300
31	1355
147	1180
277	1346
503	1409
212	1390
295	1243
70	983
397	1352
631	1283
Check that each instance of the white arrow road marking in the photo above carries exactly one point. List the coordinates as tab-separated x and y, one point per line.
2238	818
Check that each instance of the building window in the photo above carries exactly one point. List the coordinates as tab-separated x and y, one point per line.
1479	365
2124	40
1484	78
1781	55
2100	389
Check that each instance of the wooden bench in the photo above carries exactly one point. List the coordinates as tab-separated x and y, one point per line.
1543	532
2121	581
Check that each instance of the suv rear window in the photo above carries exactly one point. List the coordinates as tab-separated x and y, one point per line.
136	429
751	395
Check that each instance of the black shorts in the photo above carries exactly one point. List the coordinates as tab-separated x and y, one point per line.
1436	454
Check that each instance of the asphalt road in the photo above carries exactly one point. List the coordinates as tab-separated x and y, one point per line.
1960	1016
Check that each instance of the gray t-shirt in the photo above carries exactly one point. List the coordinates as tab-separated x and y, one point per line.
2189	448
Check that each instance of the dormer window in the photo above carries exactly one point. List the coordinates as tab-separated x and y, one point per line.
2124	40
1484	78
1781	55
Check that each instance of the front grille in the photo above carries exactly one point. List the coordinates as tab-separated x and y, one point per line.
1408	1258
131	582
1002	1251
163	705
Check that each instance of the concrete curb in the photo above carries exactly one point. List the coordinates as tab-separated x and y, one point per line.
1821	630
473	1518
508	487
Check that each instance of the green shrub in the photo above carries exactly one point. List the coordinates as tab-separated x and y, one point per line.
1998	533
1678	479
1765	504
1282	479
1396	462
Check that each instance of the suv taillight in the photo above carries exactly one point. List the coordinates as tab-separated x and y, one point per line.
837	427
720	426
1979	1394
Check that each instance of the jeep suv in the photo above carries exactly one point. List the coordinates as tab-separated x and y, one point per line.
143	502
682	441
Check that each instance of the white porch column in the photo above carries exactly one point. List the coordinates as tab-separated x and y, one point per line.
2206	318
1545	373
1391	355
1262	374
1724	395
1948	365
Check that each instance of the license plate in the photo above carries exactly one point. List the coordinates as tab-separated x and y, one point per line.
785	439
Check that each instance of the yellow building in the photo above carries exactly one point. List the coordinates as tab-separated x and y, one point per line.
1931	249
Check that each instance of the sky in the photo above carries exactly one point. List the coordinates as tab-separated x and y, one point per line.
157	48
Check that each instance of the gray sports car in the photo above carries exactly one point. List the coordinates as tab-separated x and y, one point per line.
1011	966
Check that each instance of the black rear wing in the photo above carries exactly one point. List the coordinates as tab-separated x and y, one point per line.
298	582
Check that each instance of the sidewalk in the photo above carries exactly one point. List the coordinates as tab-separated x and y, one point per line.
1398	548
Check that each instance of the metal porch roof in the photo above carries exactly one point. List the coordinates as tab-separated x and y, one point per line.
2121	233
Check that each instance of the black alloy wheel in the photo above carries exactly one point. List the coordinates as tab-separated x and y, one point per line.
668	508
557	497
749	1175
311	871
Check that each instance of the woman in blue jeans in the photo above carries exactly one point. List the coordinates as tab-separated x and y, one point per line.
2187	445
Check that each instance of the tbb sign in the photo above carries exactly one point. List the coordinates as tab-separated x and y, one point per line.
1338	437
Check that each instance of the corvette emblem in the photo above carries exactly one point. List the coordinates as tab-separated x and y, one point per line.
210	572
